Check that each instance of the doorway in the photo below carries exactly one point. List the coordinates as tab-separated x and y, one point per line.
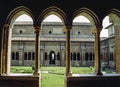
52	58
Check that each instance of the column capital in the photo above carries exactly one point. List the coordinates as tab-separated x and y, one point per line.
6	26
99	29
37	29
68	27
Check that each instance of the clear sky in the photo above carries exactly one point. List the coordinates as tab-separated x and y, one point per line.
54	18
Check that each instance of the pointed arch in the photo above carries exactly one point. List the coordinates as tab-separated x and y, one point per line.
114	11
53	10
17	12
114	16
89	14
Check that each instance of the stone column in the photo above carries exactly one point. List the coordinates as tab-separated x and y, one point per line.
68	73
8	51
83	57
37	51
97	51
117	48
4	50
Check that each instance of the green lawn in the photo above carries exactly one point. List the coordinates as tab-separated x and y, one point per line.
56	76
52	76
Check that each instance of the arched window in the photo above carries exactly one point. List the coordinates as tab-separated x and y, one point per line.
33	55
74	56
17	56
91	57
86	56
13	56
45	55
111	56
78	32
78	56
25	56
29	56
58	56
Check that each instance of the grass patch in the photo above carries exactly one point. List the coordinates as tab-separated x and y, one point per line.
21	69
52	80
55	75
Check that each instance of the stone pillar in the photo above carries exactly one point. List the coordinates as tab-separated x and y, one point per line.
68	73
37	51
97	51
117	48
8	49
83	57
4	50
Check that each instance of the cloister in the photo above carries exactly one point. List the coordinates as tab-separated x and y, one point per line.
38	11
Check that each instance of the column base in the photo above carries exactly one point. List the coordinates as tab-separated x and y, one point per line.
68	74
36	73
99	73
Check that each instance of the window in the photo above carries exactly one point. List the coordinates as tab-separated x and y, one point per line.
25	56
17	56
78	56
29	56
58	56
20	31
86	56
13	56
91	57
33	55
45	55
78	32
74	56
50	32
111	56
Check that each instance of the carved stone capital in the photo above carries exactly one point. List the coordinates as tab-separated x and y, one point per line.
37	29
6	26
68	27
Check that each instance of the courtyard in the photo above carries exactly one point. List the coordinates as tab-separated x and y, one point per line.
54	76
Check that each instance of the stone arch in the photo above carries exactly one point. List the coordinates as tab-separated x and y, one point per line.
7	31
53	10
114	18
89	14
17	12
